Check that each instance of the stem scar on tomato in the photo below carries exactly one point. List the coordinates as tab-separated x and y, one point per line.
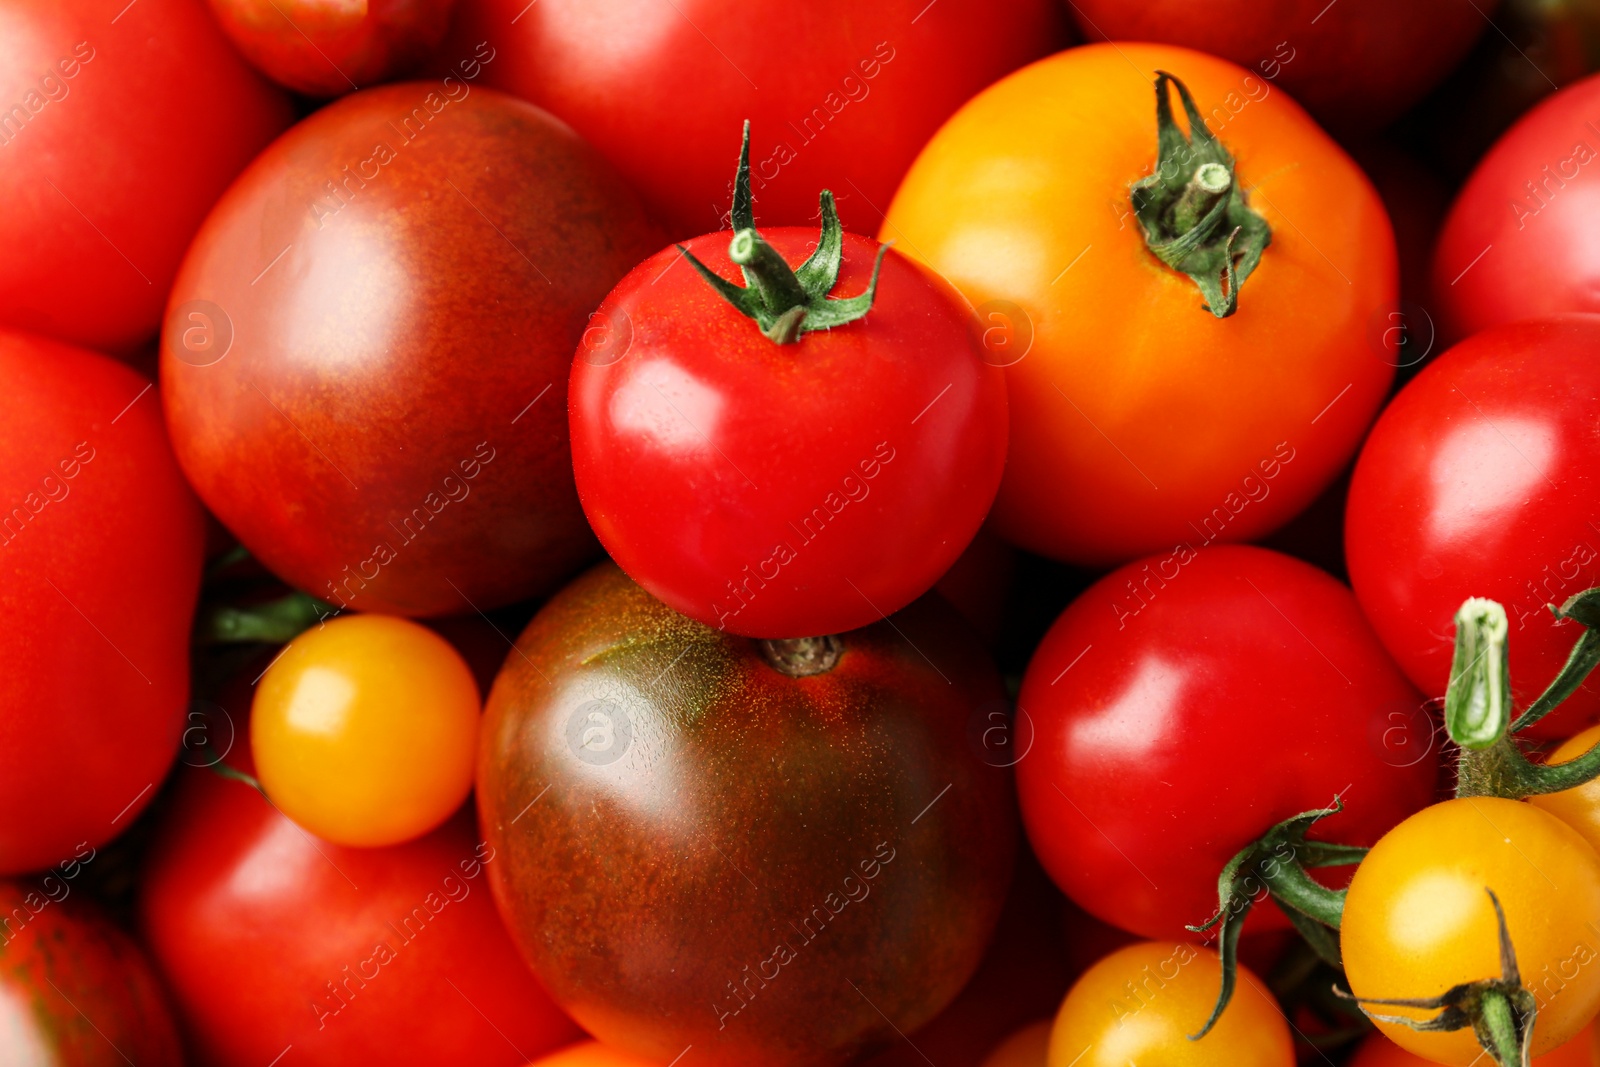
785	303
1192	211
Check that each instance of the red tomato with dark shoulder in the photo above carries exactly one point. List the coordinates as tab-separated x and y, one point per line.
120	125
75	991
329	49
380	315
1516	242
1355	64
786	490
841	94
269	938
100	556
1478	480
1187	703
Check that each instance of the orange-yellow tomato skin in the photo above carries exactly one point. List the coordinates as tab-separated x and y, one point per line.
1027	1047
1379	1051
1579	808
364	730
1417	920
1138	419
592	1054
1139	1004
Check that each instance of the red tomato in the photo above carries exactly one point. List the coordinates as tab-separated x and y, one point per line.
120	125
100	554
1184	705
787	490
380	317
1515	244
1477	481
75	991
1355	65
840	94
270	939
325	48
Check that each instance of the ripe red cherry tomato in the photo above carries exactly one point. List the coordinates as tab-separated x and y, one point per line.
100	554
380	317
1515	244
840	94
120	125
786	490
1184	705
75	991
329	49
269	938
1356	65
1476	481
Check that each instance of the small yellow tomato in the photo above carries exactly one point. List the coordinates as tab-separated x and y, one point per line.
1140	1004
1417	920
1379	1051
1579	808
1027	1047
364	730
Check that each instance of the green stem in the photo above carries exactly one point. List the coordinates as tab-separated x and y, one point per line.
767	272
1497	1029
1291	884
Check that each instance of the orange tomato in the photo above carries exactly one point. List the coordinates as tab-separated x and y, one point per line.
1379	1051
592	1054
364	730
1139	420
1579	808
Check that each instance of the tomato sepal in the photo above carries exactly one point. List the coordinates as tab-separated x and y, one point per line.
1478	703
1500	1011
1275	865
1193	213
271	622
786	303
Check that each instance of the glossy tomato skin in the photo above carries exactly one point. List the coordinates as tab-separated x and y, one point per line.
1513	246
268	937
1474	482
1417	920
1379	1051
393	359
329	49
1186	704
725	850
1141	1003
1578	807
75	991
1138	419
123	126
593	1054
840	95
786	490
100	556
1355	66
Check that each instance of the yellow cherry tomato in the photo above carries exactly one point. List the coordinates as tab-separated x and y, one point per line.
364	730
1028	1047
1417	920
1579	808
1379	1051
1140	1004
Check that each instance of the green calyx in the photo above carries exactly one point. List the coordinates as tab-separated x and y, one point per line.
1500	1011
1478	712
1192	210
785	303
1276	865
272	622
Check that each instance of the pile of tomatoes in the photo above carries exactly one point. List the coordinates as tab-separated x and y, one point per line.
662	533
